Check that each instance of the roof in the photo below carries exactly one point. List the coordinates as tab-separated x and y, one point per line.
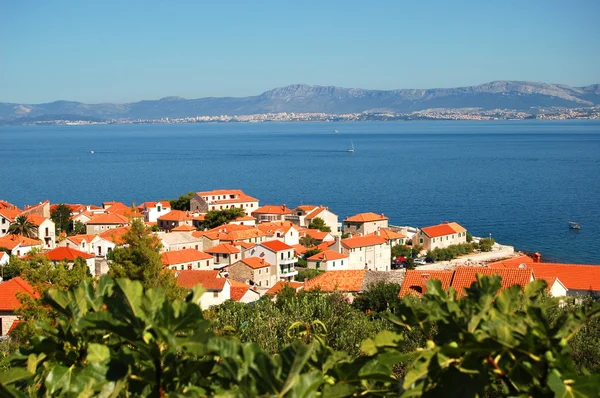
255	262
8	206
115	235
36	220
513	262
183	228
346	281
306	208
11	241
388	234
244	245
245	218
276	288
272	209
9	290
276	245
415	281
77	239
209	280
327	255
368	240
183	256
14	325
324	245
147	205
175	215
465	276
300	249
238	289
66	253
443	229
108	218
316	234
366	217
269	228
223	248
178	238
240	196
10	214
316	212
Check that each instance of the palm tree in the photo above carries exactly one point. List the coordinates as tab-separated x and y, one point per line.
22	226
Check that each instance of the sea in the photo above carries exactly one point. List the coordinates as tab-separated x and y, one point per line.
520	182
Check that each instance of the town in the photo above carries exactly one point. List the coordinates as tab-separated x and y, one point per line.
239	250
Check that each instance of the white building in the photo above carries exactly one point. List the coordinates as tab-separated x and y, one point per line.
153	210
282	257
187	259
217	289
370	252
221	199
328	260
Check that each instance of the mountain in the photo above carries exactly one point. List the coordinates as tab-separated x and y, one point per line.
302	98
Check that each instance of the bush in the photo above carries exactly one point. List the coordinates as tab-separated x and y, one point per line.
305	274
485	244
450	252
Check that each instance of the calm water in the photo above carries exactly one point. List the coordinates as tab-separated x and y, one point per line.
519	181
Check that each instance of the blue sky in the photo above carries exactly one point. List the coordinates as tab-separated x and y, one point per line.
122	51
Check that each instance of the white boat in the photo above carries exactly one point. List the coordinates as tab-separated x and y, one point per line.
351	149
92	152
335	131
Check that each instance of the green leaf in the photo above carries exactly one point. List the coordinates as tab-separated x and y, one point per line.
579	387
97	353
14	375
302	355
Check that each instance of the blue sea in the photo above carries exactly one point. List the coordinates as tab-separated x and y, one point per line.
520	181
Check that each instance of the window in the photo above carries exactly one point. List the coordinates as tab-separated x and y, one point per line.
158	208
421	240
198	266
259	272
282	256
333	264
342	262
46	231
267	282
318	264
215	294
207	263
289	254
196	247
266	270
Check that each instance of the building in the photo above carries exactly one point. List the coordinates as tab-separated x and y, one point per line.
350	282
394	238
217	289
19	245
233	233
242	292
440	236
104	222
370	252
304	214
180	240
45	230
222	199
279	286
174	218
280	255
7	217
244	220
69	255
254	271
4	259
153	210
224	254
271	213
82	243
328	260
187	259
9	301
283	231
365	223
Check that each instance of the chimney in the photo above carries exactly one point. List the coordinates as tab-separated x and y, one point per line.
537	257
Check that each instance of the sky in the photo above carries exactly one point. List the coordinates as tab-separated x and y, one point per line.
125	51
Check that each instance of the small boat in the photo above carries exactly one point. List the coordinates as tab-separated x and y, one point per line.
574	225
336	131
351	149
92	152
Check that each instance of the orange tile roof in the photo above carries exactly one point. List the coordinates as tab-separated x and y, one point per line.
11	241
4	205
245	218
388	234
281	284
175	215
366	217
66	253
108	218
457	227
272	209
184	228
244	245
345	281
10	214
209	280
36	219
223	248
115	235
299	249
183	256
14	325
315	234
77	239
306	208
240	196
465	276
368	240
328	255
415	281
200	217
324	246
255	262
9	290
316	212
148	205
209	235
512	262
270	228
276	245
238	289
439	230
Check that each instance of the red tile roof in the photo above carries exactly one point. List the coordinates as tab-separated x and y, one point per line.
345	281
276	246
11	241
368	240
328	255
9	290
66	253
465	276
10	214
184	228
77	239
238	289
439	230
240	196
108	218
281	284
209	280
388	234
14	325
299	249
244	245
4	205
415	281
316	234
35	219
272	209
512	262
175	215
183	256
255	262
315	212
115	235
366	217
223	248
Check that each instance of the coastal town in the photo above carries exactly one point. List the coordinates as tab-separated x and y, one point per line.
267	247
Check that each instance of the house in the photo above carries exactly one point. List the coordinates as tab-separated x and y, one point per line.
174	218
244	220
367	252
69	255
440	236
4	205
415	281
104	222
187	259
45	230
41	209
364	223
271	213
579	279
349	282
255	271
83	217
7	217
221	199
303	215
234	233
114	205
79	242
317	235
180	240
284	231
19	245
242	292
280	285
280	255
108	240
153	210
224	254
328	260
217	289
393	238
4	259
9	301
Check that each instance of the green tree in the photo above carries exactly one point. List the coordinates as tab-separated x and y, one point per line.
308	241
22	226
79	228
183	202
469	237
216	218
401	250
485	244
61	216
139	259
409	263
379	297
306	274
319	223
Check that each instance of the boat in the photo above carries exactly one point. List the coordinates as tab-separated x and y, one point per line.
574	225
92	152
336	131
351	149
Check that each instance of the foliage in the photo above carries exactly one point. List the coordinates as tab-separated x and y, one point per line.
308	273
154	228
310	253
61	216
216	218
139	259
79	228
450	252
379	297
308	241
22	226
485	244
469	237
319	223
401	250
182	203
409	263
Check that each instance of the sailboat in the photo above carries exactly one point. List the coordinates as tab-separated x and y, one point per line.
351	149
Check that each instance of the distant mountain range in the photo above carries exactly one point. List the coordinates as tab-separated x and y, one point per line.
327	99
